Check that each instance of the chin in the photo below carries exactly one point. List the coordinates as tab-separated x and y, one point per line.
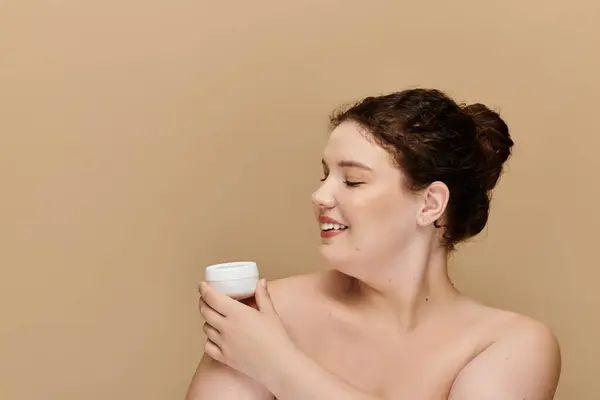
332	255
341	259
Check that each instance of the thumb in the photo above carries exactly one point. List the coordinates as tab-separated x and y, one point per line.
263	298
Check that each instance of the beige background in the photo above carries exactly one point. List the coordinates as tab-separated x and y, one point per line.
143	140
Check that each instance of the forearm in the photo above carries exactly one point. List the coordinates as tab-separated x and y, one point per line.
301	378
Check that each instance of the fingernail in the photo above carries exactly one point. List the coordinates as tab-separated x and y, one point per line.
263	282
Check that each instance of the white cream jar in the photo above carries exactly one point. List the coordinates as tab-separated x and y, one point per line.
236	279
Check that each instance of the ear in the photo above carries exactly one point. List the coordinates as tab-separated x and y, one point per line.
435	200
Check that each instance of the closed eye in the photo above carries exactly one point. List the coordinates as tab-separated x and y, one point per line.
346	182
353	184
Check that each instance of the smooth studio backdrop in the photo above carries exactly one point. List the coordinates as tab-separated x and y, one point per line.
143	140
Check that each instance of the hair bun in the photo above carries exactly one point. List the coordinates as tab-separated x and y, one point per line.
494	141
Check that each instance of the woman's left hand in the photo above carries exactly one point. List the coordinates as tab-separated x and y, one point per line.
252	341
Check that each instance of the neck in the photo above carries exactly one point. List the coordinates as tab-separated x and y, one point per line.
410	289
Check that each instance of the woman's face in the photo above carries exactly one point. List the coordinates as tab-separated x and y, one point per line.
367	216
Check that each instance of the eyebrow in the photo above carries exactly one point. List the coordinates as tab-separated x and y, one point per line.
350	164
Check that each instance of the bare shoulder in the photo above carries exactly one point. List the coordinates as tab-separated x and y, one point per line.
302	302
523	361
296	292
294	283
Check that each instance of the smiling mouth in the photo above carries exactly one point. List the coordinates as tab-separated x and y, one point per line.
326	227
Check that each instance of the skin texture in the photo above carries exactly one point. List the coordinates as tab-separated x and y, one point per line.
385	322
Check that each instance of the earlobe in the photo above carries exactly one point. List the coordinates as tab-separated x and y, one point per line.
435	200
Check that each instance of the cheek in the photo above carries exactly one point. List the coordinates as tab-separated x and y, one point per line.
381	218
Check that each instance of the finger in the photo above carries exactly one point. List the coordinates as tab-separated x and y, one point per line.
263	298
203	305
213	351
212	334
211	316
218	301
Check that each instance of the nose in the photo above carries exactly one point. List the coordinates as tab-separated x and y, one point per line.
323	198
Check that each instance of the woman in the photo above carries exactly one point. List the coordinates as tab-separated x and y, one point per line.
407	176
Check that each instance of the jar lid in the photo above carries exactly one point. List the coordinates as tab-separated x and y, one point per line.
231	270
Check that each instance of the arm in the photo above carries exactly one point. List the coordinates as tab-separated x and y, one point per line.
525	364
301	378
214	380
